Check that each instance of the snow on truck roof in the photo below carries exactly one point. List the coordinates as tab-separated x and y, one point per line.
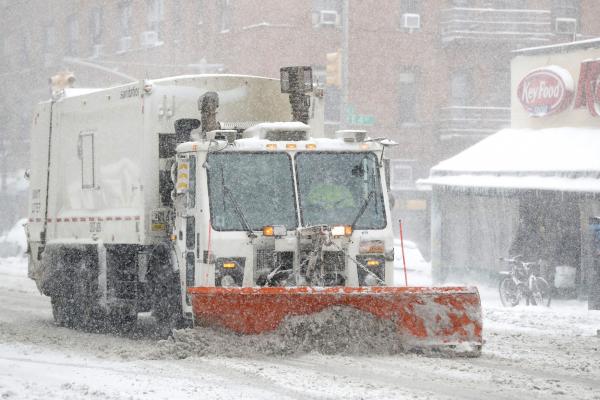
74	92
564	159
260	130
259	144
209	76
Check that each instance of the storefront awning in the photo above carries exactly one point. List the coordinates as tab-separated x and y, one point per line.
558	159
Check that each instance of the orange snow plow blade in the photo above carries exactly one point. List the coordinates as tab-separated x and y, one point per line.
423	316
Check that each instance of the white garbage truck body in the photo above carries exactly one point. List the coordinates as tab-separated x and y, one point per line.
100	179
217	200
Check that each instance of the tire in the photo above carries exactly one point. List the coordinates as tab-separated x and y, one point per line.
65	311
121	321
75	302
540	293
509	292
92	318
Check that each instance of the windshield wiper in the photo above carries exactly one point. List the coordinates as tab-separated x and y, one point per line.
239	212
363	208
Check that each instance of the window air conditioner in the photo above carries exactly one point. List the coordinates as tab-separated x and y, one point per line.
329	17
124	44
565	25
149	38
411	21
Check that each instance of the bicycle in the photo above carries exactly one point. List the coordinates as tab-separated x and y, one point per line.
523	281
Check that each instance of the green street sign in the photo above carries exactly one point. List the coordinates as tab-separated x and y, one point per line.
353	118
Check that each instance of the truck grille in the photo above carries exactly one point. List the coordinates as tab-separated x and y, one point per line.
332	267
266	260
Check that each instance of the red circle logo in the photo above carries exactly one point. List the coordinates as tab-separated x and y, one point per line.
546	91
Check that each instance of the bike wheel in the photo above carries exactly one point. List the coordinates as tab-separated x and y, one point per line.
509	292
540	292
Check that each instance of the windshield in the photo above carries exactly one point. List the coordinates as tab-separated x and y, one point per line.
334	188
256	187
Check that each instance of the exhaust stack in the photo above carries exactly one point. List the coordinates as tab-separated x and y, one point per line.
297	81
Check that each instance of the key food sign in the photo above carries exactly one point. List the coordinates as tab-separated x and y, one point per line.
551	90
546	91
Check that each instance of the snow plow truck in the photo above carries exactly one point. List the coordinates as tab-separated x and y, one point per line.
217	200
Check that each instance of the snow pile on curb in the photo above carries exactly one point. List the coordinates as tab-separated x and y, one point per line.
338	330
418	270
14	242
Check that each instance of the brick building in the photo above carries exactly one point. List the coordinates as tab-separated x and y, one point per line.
431	74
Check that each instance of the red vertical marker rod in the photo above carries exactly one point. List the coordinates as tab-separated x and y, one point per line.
209	251
403	258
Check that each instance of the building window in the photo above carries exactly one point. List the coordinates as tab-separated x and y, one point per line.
225	11
408	96
499	89
125	19
49	45
5	52
96	31
410	6
25	51
201	10
505	4
96	26
124	43
154	17
72	35
461	88
463	3
326	13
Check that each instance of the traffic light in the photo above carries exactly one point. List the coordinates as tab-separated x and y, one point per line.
333	69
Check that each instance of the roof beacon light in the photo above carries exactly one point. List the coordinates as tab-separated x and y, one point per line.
351	135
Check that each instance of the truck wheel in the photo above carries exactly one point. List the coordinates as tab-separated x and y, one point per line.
64	311
121	321
164	288
85	305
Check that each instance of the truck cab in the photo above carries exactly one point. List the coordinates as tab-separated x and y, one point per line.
273	206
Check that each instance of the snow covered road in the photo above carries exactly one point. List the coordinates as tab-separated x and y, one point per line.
529	353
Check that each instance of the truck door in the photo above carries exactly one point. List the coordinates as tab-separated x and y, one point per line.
186	188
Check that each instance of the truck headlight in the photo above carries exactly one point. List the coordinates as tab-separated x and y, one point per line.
341	230
274	230
375	264
229	271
